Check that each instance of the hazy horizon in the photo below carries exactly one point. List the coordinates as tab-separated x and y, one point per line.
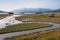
8	5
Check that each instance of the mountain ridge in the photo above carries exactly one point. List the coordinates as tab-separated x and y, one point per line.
32	10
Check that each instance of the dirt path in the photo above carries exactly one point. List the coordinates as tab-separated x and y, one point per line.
2	36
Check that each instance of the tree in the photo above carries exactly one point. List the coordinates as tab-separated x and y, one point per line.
10	13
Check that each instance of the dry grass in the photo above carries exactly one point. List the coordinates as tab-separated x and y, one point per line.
4	15
53	34
40	17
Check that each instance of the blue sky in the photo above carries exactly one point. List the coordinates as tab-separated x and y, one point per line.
8	5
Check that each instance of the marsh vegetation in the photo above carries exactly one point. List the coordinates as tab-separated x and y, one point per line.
23	26
40	18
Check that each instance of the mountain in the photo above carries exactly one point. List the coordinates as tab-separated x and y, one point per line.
3	12
29	10
58	10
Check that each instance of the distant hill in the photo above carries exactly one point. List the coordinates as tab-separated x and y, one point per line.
3	12
29	10
57	10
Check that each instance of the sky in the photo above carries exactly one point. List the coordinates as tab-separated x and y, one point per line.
8	5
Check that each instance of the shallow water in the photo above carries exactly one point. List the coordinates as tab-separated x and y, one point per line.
10	20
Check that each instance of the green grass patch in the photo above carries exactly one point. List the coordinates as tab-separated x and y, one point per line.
24	26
